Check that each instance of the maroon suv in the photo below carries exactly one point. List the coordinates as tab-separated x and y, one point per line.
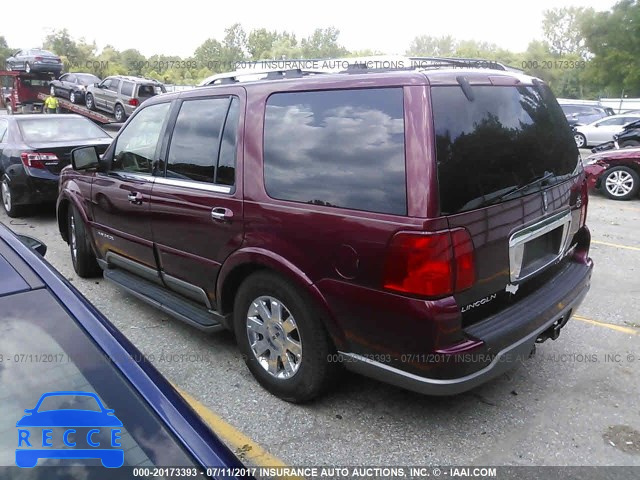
425	228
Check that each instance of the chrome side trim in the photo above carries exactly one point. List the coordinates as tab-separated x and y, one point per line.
193	185
132	266
187	289
133	176
519	239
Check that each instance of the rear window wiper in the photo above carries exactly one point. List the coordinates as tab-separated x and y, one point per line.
535	181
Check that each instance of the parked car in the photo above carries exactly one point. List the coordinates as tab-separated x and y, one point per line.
583	112
603	130
35	60
403	224
73	86
20	91
615	172
48	318
33	150
121	95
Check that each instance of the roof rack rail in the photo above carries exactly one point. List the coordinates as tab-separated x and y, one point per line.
255	75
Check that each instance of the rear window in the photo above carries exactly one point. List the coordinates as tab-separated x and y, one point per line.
503	139
338	148
59	130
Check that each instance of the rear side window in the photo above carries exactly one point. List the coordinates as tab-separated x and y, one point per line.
339	148
503	139
195	143
127	89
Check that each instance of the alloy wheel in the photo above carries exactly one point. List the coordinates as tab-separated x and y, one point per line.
619	183
6	196
74	239
274	337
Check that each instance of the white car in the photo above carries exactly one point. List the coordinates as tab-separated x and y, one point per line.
602	130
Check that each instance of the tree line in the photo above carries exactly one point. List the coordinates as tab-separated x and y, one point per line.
583	53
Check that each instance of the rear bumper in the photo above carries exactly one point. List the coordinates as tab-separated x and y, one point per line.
501	341
28	190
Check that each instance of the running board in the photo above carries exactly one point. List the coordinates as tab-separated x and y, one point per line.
165	300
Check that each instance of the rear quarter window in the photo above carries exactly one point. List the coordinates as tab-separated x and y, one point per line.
127	89
338	148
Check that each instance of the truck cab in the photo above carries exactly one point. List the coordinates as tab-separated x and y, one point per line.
20	91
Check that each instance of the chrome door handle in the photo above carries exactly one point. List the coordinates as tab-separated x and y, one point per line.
135	198
221	213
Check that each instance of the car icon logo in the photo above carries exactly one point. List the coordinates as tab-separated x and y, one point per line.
80	433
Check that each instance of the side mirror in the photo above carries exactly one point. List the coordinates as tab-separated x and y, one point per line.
35	245
84	158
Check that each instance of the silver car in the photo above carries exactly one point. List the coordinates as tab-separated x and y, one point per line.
602	130
121	95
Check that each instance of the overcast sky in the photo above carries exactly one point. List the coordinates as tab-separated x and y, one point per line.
389	27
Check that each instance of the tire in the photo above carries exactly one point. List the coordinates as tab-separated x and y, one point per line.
82	256
581	140
630	144
89	102
52	90
301	330
7	200
72	97
620	183
27	67
119	113
9	109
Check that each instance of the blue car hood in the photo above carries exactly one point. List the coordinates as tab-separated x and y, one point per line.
69	418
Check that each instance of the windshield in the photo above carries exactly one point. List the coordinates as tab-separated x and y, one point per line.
59	129
507	136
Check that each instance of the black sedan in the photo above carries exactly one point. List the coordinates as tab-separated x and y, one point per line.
73	86
33	150
35	60
78	397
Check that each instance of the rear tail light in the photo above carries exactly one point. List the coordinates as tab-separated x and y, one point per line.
134	102
38	160
430	265
38	59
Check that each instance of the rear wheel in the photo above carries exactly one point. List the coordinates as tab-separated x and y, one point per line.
581	140
89	102
119	113
9	109
7	200
27	67
283	342
620	183
82	256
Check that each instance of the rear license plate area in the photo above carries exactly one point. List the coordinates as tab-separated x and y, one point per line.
537	246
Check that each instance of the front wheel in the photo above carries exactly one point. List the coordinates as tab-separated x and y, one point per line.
27	67
82	256
581	140
283	342
620	183
72	97
89	102
52	91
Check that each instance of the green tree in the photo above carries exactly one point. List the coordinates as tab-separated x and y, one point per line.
614	40
133	61
428	46
260	42
209	54
234	46
5	51
323	43
562	28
